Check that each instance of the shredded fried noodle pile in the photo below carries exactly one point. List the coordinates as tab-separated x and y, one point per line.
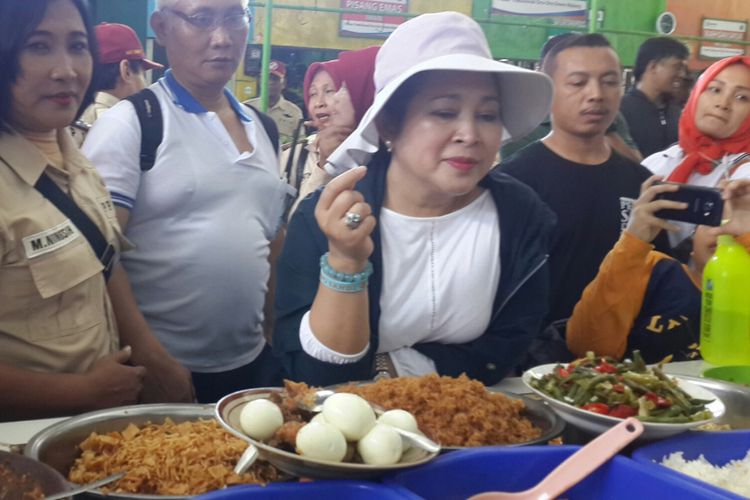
453	411
188	458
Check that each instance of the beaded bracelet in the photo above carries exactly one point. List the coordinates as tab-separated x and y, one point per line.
343	282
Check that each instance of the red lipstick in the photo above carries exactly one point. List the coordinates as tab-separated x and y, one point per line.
462	163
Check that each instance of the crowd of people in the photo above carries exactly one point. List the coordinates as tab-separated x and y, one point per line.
193	246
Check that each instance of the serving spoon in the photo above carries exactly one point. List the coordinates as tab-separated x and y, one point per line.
86	487
577	466
413	438
248	458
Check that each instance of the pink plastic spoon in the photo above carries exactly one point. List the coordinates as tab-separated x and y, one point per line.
577	466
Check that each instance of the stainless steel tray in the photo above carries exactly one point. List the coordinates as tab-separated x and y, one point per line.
228	411
57	445
736	399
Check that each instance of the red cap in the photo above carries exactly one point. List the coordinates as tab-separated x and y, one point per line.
277	68
118	42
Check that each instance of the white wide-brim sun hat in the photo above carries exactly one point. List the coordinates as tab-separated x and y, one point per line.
444	41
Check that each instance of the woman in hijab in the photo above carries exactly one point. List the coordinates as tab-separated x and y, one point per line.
337	93
453	277
714	133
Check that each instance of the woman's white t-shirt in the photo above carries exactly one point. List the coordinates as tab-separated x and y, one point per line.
440	277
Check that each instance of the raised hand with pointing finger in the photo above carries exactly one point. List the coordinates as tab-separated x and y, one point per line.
346	220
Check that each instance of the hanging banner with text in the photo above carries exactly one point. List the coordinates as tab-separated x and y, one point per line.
561	12
372	26
731	31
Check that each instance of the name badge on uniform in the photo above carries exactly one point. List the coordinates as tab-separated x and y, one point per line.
51	239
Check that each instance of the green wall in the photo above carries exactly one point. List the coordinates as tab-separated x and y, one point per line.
134	13
506	41
524	42
630	15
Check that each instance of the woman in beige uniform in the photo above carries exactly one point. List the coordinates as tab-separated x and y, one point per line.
60	348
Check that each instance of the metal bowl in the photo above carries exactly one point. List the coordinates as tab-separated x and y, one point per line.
228	411
57	445
49	480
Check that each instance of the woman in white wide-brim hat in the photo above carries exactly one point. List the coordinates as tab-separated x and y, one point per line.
453	276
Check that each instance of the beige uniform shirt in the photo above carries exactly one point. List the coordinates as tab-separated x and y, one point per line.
312	175
55	314
285	114
102	102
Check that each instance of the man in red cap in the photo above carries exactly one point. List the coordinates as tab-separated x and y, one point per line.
285	113
121	70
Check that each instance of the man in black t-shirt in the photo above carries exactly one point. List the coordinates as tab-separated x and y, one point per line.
590	187
649	107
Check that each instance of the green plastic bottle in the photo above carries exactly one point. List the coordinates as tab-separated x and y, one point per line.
725	308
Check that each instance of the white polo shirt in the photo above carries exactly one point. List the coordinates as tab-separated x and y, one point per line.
201	219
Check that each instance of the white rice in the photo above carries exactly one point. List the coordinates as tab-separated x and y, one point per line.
734	476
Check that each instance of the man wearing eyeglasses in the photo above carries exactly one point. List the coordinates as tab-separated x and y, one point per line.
206	218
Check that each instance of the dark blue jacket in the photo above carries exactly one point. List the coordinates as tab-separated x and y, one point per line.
520	302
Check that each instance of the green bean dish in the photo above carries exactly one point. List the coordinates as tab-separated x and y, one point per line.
622	389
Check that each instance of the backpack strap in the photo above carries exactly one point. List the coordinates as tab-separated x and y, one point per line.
148	109
271	129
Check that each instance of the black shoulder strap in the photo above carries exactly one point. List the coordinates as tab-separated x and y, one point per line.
293	149
103	250
271	129
148	109
303	152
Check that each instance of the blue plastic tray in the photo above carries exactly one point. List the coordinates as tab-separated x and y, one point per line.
717	447
314	490
461	474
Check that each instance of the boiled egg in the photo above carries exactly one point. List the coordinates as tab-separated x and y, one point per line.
349	413
260	419
380	446
321	441
400	419
319	418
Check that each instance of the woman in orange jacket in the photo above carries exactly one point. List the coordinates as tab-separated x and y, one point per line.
643	299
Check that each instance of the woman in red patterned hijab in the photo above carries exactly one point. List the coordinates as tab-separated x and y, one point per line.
716	121
337	93
353	69
714	134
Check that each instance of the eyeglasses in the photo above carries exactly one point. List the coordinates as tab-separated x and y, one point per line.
209	22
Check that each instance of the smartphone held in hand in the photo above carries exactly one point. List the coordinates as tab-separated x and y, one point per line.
705	205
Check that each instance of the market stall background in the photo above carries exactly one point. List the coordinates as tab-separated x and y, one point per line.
303	31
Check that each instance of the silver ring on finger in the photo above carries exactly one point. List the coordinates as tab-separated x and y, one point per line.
352	220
